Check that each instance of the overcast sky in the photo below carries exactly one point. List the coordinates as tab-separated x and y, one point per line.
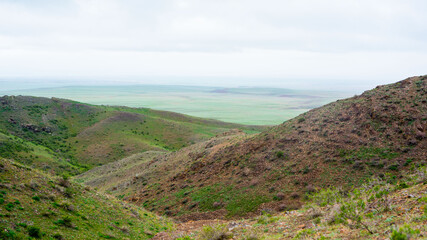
286	43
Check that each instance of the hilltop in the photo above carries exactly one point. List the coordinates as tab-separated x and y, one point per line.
382	131
64	136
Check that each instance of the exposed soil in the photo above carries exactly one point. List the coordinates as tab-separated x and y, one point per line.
339	144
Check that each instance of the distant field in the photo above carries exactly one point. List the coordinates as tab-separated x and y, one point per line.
257	106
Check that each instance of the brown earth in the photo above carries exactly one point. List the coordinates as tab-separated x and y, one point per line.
340	144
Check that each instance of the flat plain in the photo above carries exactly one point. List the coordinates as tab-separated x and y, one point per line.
243	105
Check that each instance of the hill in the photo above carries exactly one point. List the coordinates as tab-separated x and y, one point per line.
382	131
64	136
383	208
37	205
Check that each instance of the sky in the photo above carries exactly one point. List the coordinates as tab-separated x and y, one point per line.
329	44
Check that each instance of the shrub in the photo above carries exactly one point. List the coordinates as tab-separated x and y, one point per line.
402	185
34	232
24	225
421	175
267	219
393	167
36	198
66	222
7	234
58	236
9	207
404	233
184	238
377	193
353	209
306	170
216	232
304	233
325	197
64	181
279	154
408	161
68	192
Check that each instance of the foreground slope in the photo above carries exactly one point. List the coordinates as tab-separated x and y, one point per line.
383	208
35	204
340	144
81	136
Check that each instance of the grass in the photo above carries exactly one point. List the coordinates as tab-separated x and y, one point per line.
368	153
80	136
36	205
375	210
36	155
236	202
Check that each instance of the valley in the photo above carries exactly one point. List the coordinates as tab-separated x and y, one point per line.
353	168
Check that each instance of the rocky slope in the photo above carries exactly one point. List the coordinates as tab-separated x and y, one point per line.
384	208
381	131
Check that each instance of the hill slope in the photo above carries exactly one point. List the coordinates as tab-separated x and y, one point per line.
84	136
38	205
340	144
383	208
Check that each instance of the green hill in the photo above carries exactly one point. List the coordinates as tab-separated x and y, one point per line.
79	136
38	205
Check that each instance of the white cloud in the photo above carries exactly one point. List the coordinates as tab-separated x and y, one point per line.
357	40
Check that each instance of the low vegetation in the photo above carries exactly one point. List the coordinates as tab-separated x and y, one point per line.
382	208
342	144
352	169
64	136
36	205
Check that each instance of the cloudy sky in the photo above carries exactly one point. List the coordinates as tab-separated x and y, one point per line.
285	43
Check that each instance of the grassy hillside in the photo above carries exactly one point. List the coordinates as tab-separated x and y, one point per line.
84	136
35	155
37	205
383	208
340	144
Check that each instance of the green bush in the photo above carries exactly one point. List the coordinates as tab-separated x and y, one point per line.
58	236
24	225
216	232
393	167
267	219
66	222
7	234
9	207
34	232
36	198
325	197
404	233
353	209
279	154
